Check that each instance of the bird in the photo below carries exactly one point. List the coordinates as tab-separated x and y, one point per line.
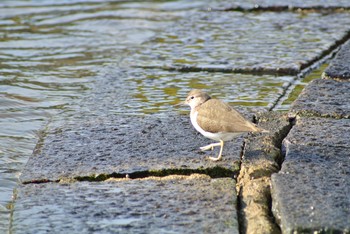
216	120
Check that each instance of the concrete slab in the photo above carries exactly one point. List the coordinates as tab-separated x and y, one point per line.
312	190
324	98
339	67
241	42
102	147
174	204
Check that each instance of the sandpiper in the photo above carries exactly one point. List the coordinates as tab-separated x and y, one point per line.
216	120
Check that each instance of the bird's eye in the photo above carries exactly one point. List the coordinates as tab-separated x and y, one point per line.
192	97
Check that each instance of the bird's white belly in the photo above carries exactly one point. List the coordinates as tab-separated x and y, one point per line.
224	136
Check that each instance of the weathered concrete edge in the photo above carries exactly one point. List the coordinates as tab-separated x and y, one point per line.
244	70
320	99
283	8
339	67
263	156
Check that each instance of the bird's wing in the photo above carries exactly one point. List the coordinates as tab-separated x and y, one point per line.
222	118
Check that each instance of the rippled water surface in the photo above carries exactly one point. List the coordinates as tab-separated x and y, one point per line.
56	56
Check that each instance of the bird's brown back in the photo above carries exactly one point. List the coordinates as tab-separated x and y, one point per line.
215	121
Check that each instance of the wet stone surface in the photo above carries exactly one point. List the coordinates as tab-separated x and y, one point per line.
127	145
339	67
242	42
311	192
323	97
174	204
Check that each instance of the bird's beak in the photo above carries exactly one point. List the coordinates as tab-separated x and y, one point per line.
180	104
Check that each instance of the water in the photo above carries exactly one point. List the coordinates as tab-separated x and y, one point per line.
150	91
298	86
55	54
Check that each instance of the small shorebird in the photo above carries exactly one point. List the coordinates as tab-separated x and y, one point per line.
216	120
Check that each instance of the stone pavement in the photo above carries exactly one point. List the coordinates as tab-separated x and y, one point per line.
311	192
110	173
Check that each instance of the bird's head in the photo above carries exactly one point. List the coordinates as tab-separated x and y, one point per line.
195	98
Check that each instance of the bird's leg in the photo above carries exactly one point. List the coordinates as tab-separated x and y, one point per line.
210	147
220	154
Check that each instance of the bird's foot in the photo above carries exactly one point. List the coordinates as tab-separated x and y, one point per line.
207	147
215	159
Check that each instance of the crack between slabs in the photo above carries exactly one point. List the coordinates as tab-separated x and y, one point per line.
286	8
261	157
214	172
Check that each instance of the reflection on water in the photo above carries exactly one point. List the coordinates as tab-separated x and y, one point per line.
158	90
138	91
